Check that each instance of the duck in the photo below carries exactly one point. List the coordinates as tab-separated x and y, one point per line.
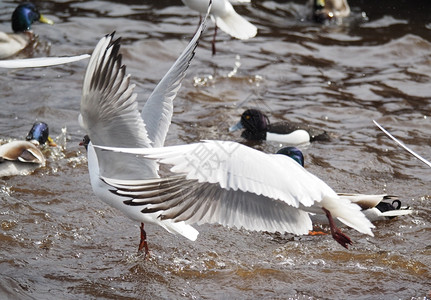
326	11
23	157
22	18
427	162
375	207
226	18
234	185
257	127
109	114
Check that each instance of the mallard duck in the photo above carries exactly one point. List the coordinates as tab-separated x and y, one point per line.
22	19
329	10
110	116
23	157
226	18
375	207
257	127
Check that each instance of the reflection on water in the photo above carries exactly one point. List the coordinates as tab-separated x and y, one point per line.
58	241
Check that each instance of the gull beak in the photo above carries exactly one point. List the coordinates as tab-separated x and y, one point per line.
45	20
236	127
50	142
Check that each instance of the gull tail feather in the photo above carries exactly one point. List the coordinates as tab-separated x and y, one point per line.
348	213
236	26
181	228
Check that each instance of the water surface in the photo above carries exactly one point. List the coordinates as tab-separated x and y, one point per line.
58	241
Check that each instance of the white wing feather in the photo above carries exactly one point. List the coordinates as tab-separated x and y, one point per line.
238	167
109	113
192	202
40	61
157	112
233	175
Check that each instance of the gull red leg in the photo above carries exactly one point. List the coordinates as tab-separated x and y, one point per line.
340	237
143	243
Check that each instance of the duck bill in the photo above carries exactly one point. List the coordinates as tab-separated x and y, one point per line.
236	127
45	20
51	142
319	3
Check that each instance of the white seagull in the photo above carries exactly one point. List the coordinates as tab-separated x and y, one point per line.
225	17
234	185
110	116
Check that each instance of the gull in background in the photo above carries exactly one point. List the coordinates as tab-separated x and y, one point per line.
237	186
110	116
225	17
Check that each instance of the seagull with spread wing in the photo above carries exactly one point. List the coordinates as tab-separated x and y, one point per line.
110	116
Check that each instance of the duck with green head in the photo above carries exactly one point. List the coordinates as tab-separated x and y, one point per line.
23	157
22	19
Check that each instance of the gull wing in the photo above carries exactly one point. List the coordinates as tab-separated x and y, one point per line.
180	199
233	177
157	112
233	166
40	61
109	113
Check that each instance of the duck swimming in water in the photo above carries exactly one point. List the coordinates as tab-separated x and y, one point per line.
324	11
257	127
23	157
22	19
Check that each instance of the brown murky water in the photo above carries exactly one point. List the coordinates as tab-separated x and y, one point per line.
58	241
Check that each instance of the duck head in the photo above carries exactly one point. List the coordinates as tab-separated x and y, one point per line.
255	124
293	153
24	15
39	132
